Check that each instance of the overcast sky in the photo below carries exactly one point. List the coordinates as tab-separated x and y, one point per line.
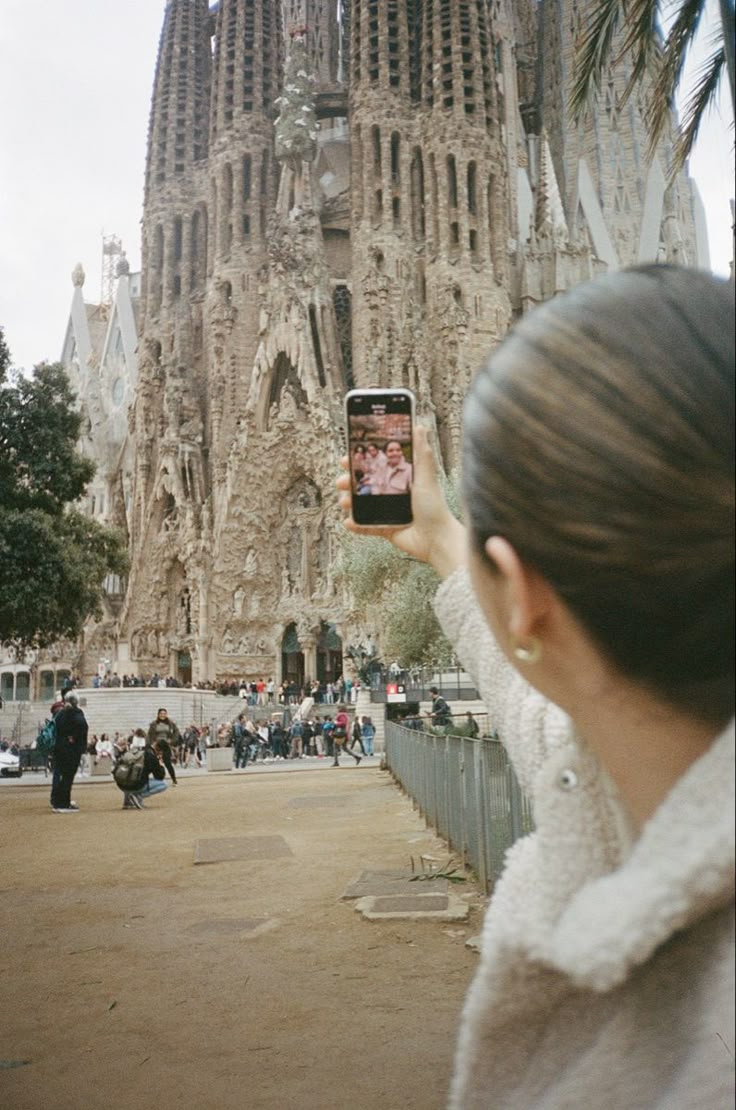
75	87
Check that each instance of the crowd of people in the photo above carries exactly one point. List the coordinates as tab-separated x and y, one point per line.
260	691
317	736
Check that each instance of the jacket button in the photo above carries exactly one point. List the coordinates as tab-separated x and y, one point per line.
567	780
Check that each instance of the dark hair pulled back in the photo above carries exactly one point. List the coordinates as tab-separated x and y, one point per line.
599	440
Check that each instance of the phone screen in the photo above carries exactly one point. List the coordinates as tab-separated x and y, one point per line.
380	428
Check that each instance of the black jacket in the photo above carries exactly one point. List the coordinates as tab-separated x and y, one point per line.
71	729
151	766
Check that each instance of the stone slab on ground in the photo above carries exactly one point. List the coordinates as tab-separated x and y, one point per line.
392	884
222	927
415	907
229	848
307	802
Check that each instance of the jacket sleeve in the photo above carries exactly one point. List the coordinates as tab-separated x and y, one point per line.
152	764
528	724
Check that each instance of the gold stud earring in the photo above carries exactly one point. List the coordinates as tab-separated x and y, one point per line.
530	652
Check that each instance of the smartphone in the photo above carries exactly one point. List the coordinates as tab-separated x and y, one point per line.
380	427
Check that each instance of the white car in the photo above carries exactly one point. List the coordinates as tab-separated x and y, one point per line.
10	767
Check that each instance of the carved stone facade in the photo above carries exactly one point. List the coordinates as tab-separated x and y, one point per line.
336	194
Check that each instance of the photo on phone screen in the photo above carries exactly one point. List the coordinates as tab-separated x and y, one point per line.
380	429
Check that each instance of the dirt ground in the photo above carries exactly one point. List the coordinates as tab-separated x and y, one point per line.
132	978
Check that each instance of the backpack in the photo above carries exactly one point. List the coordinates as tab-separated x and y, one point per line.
46	738
129	770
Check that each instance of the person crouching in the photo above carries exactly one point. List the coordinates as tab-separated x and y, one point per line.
152	780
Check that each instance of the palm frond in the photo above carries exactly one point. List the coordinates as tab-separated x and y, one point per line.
641	41
593	51
700	99
662	95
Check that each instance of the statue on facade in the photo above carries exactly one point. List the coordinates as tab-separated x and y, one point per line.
296	127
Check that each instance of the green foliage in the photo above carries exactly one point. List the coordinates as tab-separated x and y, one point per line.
393	594
53	560
39	464
614	29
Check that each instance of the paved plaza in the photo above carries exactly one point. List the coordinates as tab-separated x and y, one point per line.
210	951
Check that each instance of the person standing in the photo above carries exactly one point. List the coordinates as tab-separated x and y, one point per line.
440	712
164	732
368	732
240	750
70	746
340	737
356	737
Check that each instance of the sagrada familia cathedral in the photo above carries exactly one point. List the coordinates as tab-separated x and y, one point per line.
336	194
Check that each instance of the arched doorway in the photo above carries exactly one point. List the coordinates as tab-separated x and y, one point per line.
184	667
292	658
329	654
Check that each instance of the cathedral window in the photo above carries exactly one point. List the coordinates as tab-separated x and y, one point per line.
446	32
396	178
317	345
414	21
377	175
247	177
357	171
246	193
249	34
392	19
267	34
376	139
451	181
284	376
396	159
226	206
418	209
472	188
178	239
356	20
342	300
374	51
265	187
198	249
435	192
428	53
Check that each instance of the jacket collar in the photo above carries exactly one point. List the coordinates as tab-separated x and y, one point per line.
680	869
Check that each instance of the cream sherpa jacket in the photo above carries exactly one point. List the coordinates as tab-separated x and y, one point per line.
606	975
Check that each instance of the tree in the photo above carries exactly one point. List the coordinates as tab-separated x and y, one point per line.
53	559
616	28
393	594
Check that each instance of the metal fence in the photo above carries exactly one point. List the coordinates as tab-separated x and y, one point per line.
452	682
466	789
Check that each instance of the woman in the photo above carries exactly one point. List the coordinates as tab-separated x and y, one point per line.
368	730
340	737
592	599
359	464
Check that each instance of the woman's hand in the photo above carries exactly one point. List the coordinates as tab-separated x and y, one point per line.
435	536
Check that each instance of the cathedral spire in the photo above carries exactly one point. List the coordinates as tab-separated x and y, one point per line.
246	62
177	137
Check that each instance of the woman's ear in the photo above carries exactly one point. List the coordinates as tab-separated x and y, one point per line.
528	596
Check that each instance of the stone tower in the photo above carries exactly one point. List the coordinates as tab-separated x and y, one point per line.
363	192
433	176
